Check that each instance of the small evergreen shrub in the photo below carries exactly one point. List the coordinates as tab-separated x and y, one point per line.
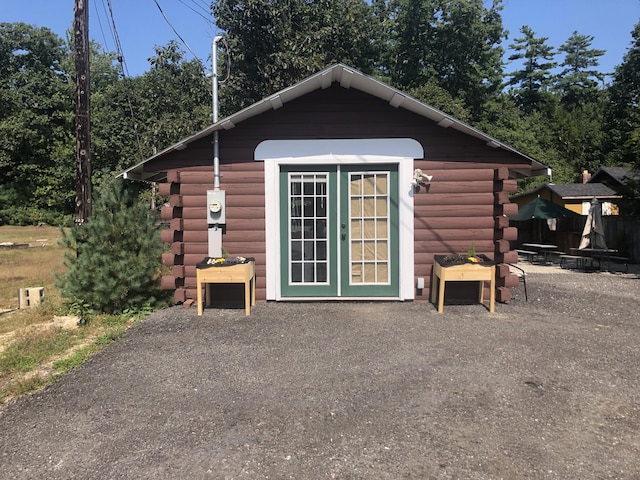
114	259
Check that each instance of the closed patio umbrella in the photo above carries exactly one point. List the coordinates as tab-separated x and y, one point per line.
593	233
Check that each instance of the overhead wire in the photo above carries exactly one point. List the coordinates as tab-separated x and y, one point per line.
125	75
176	32
206	8
116	39
196	11
104	37
207	16
228	69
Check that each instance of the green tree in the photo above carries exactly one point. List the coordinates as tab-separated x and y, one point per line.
622	121
133	118
36	122
115	257
449	43
276	43
468	55
434	95
578	135
530	133
579	80
534	80
410	29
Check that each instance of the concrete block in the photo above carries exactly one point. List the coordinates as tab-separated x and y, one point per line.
30	297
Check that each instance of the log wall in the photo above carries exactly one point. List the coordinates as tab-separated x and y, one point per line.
466	202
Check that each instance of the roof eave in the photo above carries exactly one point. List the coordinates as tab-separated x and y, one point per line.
347	77
589	197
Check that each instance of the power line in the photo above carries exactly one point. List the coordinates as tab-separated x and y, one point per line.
125	73
119	52
204	7
206	16
176	32
228	62
104	37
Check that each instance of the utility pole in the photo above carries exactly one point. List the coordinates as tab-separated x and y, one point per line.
82	118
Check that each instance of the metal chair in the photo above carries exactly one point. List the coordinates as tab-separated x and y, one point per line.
522	277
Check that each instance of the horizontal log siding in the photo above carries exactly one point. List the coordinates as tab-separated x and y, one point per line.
450	222
243	235
463	203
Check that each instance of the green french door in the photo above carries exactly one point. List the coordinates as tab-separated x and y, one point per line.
339	231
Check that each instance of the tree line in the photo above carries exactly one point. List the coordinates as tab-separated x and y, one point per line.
552	103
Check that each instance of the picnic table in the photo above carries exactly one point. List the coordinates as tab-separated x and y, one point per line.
541	250
600	256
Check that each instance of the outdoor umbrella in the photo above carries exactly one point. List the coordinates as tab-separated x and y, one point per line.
593	233
542	209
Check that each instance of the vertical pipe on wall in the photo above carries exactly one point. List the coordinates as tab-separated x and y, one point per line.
216	146
214	231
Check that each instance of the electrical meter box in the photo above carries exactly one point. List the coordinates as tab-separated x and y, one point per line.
216	207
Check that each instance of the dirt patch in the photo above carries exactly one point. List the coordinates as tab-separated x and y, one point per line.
68	322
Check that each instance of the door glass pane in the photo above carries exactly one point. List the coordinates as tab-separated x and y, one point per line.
356	229
356	207
321	250
382	185
356	251
368	183
321	272
308	210
321	228
369	221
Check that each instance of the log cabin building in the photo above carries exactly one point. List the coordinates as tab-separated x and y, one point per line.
326	184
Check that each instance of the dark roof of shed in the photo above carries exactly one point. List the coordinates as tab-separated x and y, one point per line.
582	190
618	174
346	77
577	191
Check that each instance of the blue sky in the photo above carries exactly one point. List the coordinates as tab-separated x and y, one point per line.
141	26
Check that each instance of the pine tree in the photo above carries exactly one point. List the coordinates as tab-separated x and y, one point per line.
578	81
114	259
533	80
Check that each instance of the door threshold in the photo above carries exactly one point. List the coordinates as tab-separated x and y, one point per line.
341	299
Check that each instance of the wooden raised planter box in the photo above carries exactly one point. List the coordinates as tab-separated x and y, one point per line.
241	273
447	269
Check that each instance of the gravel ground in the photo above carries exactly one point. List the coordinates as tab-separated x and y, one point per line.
544	389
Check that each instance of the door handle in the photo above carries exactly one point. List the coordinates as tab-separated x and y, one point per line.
343	236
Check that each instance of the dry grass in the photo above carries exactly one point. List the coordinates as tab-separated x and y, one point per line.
28	267
33	352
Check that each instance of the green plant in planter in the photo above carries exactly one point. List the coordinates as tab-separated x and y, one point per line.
472	251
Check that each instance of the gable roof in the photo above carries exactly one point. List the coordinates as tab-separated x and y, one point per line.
612	176
574	191
582	190
346	77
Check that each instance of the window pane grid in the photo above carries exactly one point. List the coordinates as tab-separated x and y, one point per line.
308	245
369	215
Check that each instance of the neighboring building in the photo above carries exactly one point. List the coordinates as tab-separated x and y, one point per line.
613	177
573	196
319	188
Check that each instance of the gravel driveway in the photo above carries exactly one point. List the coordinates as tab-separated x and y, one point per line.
539	390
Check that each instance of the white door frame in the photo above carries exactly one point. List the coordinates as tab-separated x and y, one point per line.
399	151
